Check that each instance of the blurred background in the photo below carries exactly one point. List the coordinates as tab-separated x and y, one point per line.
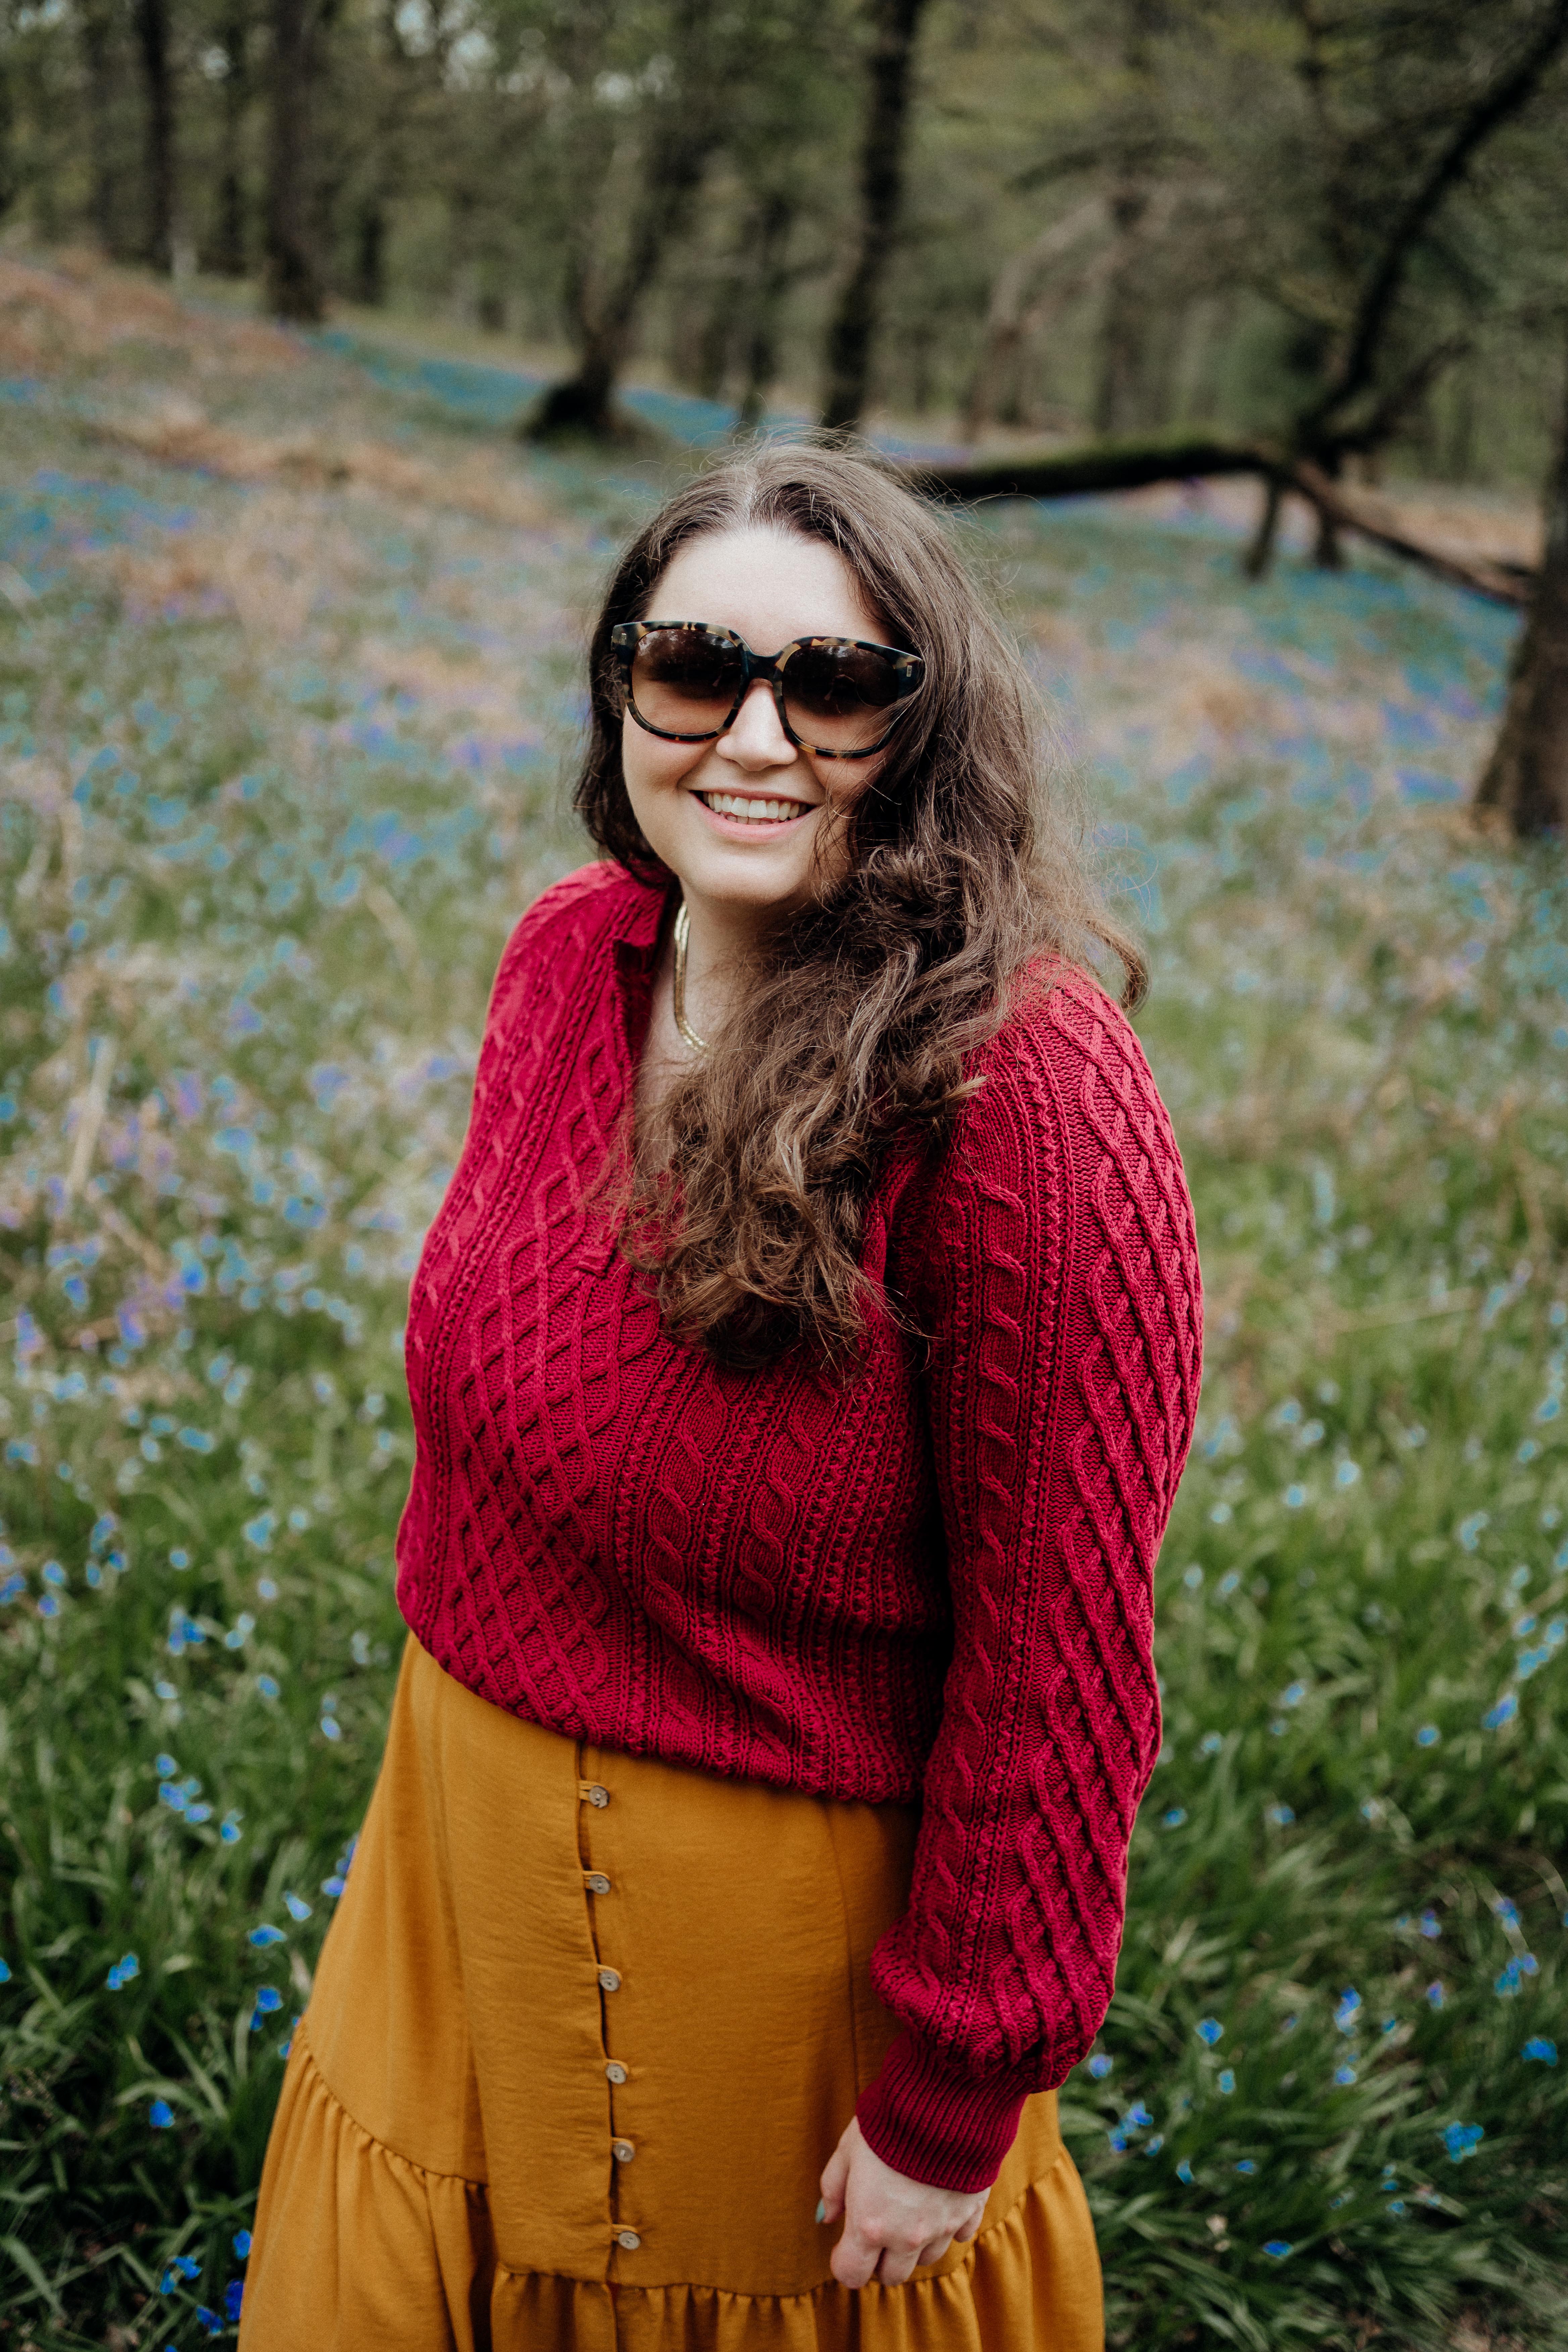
340	347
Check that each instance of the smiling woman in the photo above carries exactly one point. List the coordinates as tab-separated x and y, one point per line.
802	1366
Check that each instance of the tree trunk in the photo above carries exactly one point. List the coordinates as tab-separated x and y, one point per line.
771	224
680	139
229	242
97	20
293	282
1526	779
369	280
151	18
1124	322
853	332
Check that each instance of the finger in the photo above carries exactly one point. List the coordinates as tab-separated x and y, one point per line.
970	2227
854	2258
896	2265
931	2252
835	2173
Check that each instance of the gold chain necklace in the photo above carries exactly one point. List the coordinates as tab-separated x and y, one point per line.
682	933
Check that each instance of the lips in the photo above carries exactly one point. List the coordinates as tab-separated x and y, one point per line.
749	808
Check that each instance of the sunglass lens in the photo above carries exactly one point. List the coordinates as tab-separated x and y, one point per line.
839	695
686	681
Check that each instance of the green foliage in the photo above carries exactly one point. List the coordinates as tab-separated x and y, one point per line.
278	774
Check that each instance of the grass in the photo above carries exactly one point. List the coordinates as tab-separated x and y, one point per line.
279	757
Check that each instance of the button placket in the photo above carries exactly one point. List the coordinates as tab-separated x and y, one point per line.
595	1797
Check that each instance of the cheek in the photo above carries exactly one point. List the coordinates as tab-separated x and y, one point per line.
651	766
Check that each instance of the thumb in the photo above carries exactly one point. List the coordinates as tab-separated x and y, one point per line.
835	2175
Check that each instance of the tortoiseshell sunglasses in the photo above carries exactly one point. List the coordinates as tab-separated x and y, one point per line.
835	697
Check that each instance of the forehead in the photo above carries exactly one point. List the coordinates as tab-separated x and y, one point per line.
768	585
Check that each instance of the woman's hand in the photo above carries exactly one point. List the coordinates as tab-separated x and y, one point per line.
891	2224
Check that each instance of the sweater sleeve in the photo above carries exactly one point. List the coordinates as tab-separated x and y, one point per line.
1056	1272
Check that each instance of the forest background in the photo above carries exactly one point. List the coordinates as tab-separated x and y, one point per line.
339	347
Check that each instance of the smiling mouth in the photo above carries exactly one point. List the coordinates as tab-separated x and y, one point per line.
751	811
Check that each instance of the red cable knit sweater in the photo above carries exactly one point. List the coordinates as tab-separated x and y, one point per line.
933	1586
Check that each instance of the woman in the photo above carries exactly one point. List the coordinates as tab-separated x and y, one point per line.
802	1363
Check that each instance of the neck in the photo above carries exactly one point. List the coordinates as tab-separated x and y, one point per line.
721	939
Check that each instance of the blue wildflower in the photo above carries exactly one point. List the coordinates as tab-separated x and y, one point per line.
160	2115
241	2243
1435	1996
1209	2030
1173	1819
1462	2140
1503	1712
1246	2165
1227	2080
1184	2173
1278	2248
1538	2046
264	1935
268	1999
122	1972
1429	1735
1348	2011
1100	2065
1344	2076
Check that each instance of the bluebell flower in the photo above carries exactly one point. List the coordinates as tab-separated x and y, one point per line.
334	1885
160	2115
268	1999
1184	2173
1227	2080
123	1972
1435	1996
1173	1819
268	1685
1462	2140
1246	2165
4	1973
1209	2030
1344	2076
233	2296
264	1935
1100	2065
242	2243
1503	1712
1348	2011
229	1828
1430	1924
1398	2206
1278	2248
1429	1735
1281	1816
1538	2046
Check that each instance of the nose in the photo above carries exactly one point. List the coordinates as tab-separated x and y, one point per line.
755	738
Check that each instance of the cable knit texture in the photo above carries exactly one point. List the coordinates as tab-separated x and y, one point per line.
934	1583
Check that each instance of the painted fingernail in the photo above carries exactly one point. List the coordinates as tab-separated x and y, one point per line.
821	2208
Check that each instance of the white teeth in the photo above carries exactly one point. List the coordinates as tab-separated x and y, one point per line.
757	812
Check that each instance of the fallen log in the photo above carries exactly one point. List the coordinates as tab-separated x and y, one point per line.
1379	519
1105	467
1096	466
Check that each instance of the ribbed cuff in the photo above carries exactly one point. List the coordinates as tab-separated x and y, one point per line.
932	2121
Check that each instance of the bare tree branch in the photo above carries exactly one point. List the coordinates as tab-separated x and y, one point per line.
1507	94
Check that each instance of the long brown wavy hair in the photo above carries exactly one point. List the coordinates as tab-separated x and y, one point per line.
750	1183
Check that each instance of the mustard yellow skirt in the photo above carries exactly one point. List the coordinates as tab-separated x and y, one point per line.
585	2029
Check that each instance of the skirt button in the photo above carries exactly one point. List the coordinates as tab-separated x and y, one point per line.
629	2239
622	2150
598	1794
610	1979
616	2071
596	1882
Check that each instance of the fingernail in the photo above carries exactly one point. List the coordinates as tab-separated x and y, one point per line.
821	2208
